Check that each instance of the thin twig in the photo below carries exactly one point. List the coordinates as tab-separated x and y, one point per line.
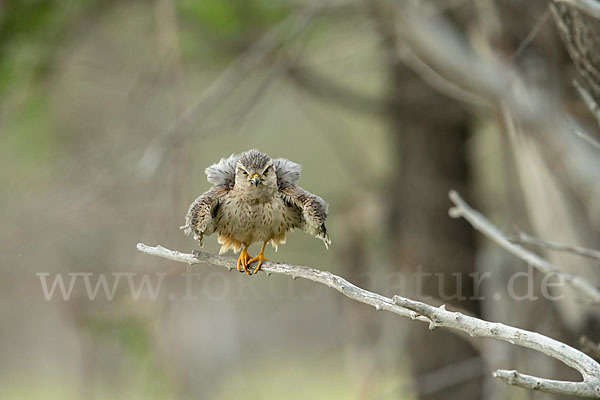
437	81
436	43
590	7
524	238
450	375
585	365
594	109
403	52
483	225
588	99
531	35
309	80
587	138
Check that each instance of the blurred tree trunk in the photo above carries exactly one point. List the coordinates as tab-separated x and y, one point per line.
429	132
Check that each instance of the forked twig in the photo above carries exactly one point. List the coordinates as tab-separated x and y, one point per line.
483	225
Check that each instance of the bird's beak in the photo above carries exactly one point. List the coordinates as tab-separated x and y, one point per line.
255	179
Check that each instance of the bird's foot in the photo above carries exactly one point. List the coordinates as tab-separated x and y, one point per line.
260	258
243	262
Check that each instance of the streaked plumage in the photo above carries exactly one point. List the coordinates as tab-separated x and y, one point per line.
255	199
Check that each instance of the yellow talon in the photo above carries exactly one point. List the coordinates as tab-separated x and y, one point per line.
243	262
260	258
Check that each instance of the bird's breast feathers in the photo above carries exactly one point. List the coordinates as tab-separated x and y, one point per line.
245	222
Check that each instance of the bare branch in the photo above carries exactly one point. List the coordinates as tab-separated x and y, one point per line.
451	375
531	35
325	278
594	109
483	225
583	389
587	138
403	52
585	365
436	80
324	88
524	238
436	43
588	99
590	7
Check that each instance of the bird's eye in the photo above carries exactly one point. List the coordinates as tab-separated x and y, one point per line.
244	172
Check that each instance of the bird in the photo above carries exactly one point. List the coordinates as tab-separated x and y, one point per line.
255	198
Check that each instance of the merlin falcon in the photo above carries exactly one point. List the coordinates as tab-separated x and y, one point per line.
255	198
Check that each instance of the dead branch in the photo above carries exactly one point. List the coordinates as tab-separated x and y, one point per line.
310	81
323	277
594	109
483	225
524	238
585	365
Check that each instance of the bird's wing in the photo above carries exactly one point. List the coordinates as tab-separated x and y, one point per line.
222	174
288	172
313	209
202	212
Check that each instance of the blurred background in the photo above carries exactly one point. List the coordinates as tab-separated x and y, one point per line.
110	111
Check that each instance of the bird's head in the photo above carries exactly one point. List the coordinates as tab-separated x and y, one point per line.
255	170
